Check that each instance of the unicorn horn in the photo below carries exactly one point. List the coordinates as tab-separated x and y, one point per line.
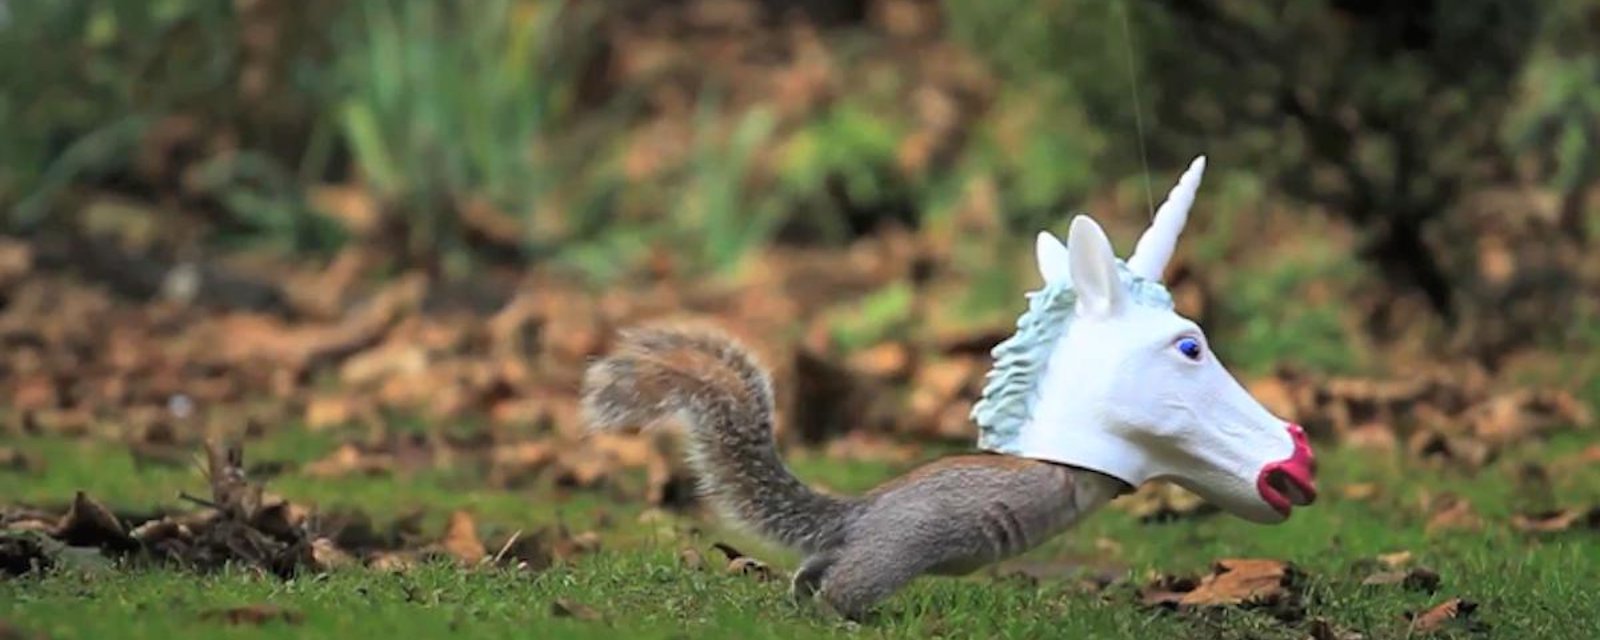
1150	256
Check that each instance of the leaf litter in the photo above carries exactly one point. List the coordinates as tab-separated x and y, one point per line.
241	523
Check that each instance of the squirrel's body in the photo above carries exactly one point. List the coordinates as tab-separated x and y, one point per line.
948	517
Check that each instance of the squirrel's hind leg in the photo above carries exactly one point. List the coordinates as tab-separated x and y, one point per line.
808	578
861	576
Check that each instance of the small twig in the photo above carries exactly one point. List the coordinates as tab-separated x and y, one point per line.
506	547
185	495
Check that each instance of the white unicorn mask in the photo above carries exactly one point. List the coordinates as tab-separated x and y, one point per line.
1103	374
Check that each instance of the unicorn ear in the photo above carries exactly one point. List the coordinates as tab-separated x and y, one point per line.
1150	256
1052	256
1094	269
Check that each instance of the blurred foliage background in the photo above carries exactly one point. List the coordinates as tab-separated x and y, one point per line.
1382	173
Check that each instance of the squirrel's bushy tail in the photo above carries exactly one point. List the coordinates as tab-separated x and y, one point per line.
724	397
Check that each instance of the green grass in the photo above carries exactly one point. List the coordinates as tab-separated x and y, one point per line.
1525	587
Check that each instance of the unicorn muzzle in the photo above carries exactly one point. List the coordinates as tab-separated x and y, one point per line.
1290	482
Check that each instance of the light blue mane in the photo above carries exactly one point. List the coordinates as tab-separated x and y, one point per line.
1011	387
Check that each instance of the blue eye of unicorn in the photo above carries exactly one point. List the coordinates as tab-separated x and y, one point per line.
1189	347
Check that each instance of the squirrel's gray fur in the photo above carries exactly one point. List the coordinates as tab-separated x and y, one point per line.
948	517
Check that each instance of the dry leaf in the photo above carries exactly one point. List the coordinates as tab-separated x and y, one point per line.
1324	629
1372	437
1395	560
1442	614
16	261
349	459
461	539
392	562
1242	581
1360	492
88	524
1452	513
327	556
256	614
1233	582
690	558
1416	579
568	608
887	361
1166	590
156	532
1557	520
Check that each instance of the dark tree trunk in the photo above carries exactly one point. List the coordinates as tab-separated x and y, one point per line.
1403	256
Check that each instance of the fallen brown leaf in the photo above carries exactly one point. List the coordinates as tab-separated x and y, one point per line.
256	614
1395	560
1452	513
1558	520
163	532
1166	590
392	561
888	361
1372	437
89	524
1416	579
1232	582
512	464
461	539
568	608
1518	415
327	556
1242	581
16	261
1360	492
1442	614
1324	629
690	559
350	459
1465	450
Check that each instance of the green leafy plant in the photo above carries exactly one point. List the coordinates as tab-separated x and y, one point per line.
112	68
443	102
715	212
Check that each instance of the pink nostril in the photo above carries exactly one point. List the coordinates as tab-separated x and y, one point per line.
1290	482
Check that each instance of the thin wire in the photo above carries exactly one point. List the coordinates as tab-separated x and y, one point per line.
1138	109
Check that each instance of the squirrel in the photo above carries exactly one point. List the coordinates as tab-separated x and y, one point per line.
948	517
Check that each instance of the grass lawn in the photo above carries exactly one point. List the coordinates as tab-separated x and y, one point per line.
1523	586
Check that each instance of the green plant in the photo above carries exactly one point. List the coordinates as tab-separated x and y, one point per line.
715	213
442	103
112	69
1558	120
